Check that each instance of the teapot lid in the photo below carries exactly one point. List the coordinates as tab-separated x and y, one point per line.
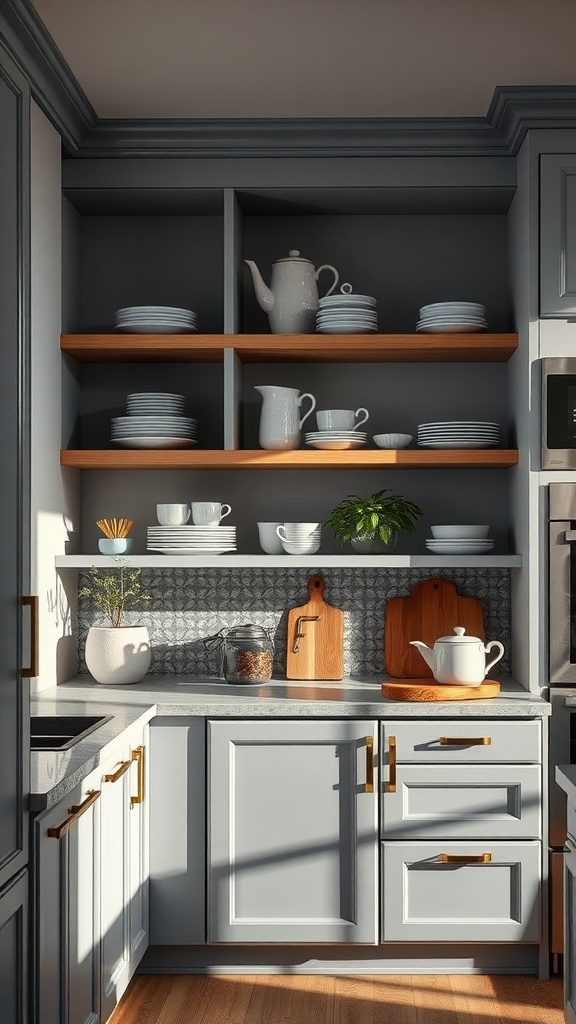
293	257
459	638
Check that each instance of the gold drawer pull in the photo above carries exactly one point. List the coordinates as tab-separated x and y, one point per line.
369	785
469	741
75	812
464	858
139	755
120	771
392	764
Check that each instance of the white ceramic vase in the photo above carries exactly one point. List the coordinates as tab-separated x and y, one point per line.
117	656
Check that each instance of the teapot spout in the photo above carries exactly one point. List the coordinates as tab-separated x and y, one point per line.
426	652
264	296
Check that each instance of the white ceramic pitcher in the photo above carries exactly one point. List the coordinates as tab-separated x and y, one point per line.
280	416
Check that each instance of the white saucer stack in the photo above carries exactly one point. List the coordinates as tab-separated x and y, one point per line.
459	434
346	313
154	420
452	318
460	540
191	540
336	440
155	320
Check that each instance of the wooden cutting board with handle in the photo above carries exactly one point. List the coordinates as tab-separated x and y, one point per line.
432	611
315	641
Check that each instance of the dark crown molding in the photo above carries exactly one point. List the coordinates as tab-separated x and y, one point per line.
512	112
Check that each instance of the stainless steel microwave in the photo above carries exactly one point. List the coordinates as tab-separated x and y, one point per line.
559	413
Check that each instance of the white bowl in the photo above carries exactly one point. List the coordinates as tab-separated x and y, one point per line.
392	440
459	532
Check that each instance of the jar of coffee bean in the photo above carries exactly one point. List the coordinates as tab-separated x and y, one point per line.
247	654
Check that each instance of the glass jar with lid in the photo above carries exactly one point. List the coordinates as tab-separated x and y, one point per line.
247	653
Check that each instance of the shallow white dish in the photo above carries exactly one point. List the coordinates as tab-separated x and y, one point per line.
392	440
155	329
193	551
464	443
346	329
336	445
463	548
335	435
451	329
154	442
459	532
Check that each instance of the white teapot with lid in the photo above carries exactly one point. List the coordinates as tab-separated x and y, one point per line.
459	658
291	300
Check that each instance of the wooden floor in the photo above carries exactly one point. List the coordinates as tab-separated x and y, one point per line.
362	999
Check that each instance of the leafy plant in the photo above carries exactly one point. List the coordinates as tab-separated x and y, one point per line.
381	516
114	591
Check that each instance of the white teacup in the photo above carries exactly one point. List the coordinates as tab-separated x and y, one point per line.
209	513
300	538
173	515
269	539
340	419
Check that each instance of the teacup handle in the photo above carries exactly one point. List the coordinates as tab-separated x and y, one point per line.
360	422
328	266
488	647
311	409
282	533
227	512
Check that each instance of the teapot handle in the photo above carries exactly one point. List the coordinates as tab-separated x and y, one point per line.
328	266
311	409
487	648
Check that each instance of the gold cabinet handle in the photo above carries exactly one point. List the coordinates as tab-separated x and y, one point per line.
464	858
75	812
120	771
31	601
139	755
369	787
469	741
392	764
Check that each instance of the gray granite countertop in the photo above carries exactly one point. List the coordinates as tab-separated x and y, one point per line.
54	773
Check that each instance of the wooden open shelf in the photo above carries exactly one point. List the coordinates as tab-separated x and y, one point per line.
407	458
302	348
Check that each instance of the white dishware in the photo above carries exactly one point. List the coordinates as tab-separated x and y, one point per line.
340	419
154	442
460	547
458	532
298	531
173	514
305	548
209	513
343	328
459	659
280	420
292	298
330	444
115	545
269	540
392	440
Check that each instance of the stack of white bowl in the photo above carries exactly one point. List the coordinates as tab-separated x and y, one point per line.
154	420
155	320
452	318
459	540
347	313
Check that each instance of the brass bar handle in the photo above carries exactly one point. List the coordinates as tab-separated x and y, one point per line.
139	755
463	858
369	786
31	601
120	771
392	764
75	812
469	741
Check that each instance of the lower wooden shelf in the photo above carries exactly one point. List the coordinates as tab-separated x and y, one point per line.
239	561
406	458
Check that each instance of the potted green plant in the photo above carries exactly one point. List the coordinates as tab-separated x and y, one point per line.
372	524
116	654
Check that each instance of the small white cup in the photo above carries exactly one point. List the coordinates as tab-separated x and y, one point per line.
173	515
340	419
300	538
269	539
209	513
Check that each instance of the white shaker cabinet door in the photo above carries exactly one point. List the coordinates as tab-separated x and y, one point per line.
570	934
138	851
293	827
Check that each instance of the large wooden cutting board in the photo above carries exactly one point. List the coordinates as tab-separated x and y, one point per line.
319	652
432	611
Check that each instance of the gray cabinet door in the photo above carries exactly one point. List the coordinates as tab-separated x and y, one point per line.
292	831
558	235
14	950
138	852
14	462
114	903
570	934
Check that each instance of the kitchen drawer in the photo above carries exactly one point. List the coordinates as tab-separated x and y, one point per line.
469	802
426	899
481	740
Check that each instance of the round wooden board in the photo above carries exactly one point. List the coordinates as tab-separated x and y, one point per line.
422	690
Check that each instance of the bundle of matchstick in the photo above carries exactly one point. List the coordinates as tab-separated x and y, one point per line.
115	527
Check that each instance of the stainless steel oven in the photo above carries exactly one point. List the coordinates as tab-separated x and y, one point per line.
559	413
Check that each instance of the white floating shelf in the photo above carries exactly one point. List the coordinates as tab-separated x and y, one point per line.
238	561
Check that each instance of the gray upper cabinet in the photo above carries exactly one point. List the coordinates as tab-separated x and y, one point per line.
292	831
558	235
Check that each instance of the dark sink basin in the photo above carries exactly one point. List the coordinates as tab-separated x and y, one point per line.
58	732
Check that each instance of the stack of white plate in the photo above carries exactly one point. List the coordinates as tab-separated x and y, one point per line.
452	318
459	434
347	313
460	540
155	320
154	420
191	540
337	440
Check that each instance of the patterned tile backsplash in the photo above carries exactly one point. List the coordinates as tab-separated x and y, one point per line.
189	605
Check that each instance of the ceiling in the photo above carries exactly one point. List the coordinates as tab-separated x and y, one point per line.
309	58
